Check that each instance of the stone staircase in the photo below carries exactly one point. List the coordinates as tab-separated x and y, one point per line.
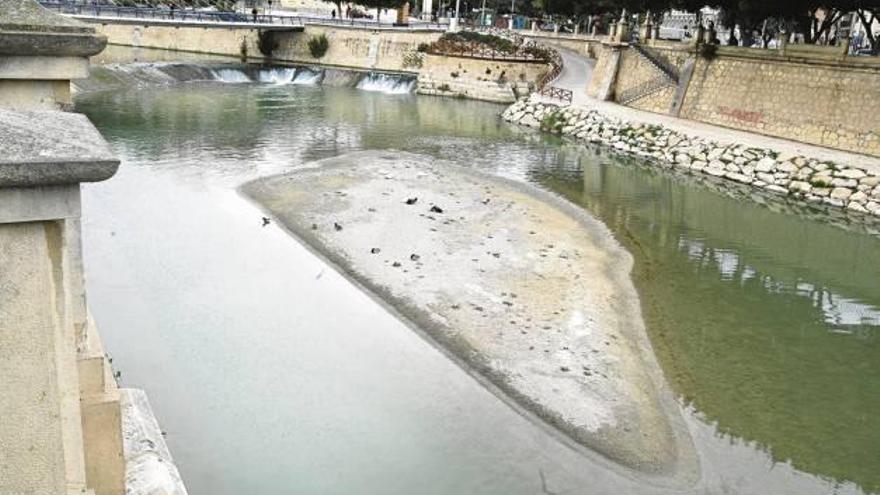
645	89
661	65
667	77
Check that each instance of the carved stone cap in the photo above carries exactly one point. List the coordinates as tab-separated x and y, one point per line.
43	148
26	28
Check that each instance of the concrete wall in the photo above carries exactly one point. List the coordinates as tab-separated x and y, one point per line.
384	50
218	41
479	79
804	94
29	463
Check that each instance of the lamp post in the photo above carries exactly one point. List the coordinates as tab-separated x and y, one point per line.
512	8
453	23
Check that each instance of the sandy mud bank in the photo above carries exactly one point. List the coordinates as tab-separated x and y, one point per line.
521	287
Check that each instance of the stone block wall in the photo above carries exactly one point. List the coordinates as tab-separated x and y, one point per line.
825	103
379	49
480	79
634	71
795	94
385	50
604	72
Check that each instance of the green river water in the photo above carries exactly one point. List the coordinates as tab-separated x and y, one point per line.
765	323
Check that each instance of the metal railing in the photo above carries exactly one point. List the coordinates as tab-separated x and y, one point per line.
660	64
562	94
187	15
166	14
482	52
645	89
366	23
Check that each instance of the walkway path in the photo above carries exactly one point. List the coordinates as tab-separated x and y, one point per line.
578	71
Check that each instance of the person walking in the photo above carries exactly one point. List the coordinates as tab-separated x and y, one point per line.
254	13
333	14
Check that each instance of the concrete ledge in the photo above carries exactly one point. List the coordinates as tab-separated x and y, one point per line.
44	68
102	424
149	467
37	204
51	44
69	150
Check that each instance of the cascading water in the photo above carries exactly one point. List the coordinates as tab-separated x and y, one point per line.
307	77
277	75
388	84
231	76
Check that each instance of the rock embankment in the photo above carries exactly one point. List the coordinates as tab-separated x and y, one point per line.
519	286
796	177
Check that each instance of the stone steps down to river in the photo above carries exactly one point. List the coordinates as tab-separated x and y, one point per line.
513	283
798	178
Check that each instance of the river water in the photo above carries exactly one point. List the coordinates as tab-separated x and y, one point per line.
272	374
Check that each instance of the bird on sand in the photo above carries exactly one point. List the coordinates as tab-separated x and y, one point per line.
266	221
412	201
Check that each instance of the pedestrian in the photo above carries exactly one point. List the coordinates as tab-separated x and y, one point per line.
348	11
254	13
333	13
171	11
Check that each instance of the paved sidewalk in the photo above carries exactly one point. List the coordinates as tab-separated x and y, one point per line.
577	73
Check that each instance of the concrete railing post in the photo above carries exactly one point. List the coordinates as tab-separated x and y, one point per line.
59	403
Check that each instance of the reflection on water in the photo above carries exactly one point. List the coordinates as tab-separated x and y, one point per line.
766	324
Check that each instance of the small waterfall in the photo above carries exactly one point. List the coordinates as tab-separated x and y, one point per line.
277	75
307	77
388	84
231	76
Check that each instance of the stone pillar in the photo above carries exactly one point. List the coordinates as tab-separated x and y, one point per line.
647	29
58	401
403	15
622	33
427	7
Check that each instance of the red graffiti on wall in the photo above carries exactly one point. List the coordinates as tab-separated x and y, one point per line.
739	114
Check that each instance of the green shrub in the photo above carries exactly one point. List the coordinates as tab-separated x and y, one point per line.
553	122
318	46
266	43
423	47
469	40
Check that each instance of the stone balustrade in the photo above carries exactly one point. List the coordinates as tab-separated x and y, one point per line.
61	431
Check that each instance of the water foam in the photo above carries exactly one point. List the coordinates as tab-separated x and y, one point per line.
277	75
306	77
231	76
388	84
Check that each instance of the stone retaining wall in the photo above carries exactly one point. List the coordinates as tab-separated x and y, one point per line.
479	79
794	94
828	103
797	178
384	50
